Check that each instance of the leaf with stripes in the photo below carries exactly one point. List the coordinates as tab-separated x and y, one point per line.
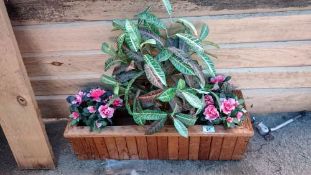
186	119
136	56
132	37
156	126
204	32
181	128
108	80
127	91
181	66
188	25
118	24
120	41
163	55
153	79
147	34
167	95
210	67
148	41
151	114
168	7
111	62
192	42
192	99
107	49
156	68
150	18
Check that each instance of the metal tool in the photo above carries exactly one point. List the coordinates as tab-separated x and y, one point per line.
265	131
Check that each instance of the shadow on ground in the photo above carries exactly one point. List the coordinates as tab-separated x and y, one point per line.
289	153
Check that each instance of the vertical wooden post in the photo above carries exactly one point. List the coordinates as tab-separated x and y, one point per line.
19	115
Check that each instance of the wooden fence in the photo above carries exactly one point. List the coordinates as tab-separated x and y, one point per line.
265	46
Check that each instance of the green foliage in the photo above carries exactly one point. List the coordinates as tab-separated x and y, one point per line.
192	99
192	42
156	68
167	95
186	119
132	37
180	127
163	55
210	68
188	25
156	126
151	114
204	32
168	7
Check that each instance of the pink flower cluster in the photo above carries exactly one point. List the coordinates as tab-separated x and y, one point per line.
95	94
211	113
228	105
218	79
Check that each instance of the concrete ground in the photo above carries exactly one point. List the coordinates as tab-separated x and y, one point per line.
289	153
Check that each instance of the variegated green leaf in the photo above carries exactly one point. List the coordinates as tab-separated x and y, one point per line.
156	68
204	32
210	67
167	95
146	34
149	41
181	84
132	37
120	41
127	90
181	128
163	55
118	24
151	19
153	79
186	119
151	114
107	49
210	43
108	80
181	66
192	42
111	62
168	7
192	99
156	126
188	25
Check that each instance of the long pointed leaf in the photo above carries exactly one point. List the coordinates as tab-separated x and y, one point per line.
181	66
153	79
192	99
186	119
156	126
168	6
204	32
127	90
188	25
167	95
192	42
210	67
181	128
151	114
156	68
133	37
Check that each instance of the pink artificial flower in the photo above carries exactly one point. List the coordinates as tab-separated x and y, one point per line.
239	115
211	113
91	109
229	119
105	111
78	98
75	115
96	94
229	105
208	100
218	79
117	102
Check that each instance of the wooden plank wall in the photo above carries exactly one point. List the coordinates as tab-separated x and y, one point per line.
265	46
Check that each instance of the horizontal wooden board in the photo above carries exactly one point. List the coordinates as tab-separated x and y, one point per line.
43	11
240	56
243	78
79	36
257	101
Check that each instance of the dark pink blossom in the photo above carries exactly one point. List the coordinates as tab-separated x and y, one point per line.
117	102
211	113
229	119
239	115
218	79
228	105
105	111
208	100
75	115
78	98
95	94
91	109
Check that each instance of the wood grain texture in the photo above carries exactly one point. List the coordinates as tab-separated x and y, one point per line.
245	56
215	149
183	148
89	35
101	148
240	148
152	148
112	148
194	147
205	148
20	117
142	147
163	147
227	148
122	148
43	11
173	147
132	147
93	151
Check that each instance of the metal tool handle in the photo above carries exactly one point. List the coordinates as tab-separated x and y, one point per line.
285	123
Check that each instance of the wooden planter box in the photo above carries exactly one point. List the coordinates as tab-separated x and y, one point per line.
130	142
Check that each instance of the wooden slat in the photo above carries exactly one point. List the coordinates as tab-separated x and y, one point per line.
76	146
86	148
183	148
132	147
240	147
152	147
257	101
20	118
227	148
194	147
42	11
215	149
246	55
90	35
205	147
112	148
162	147
122	148
101	147
142	147
173	147
93	150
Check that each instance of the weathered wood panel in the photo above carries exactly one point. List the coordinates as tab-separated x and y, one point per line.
20	117
90	35
43	11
